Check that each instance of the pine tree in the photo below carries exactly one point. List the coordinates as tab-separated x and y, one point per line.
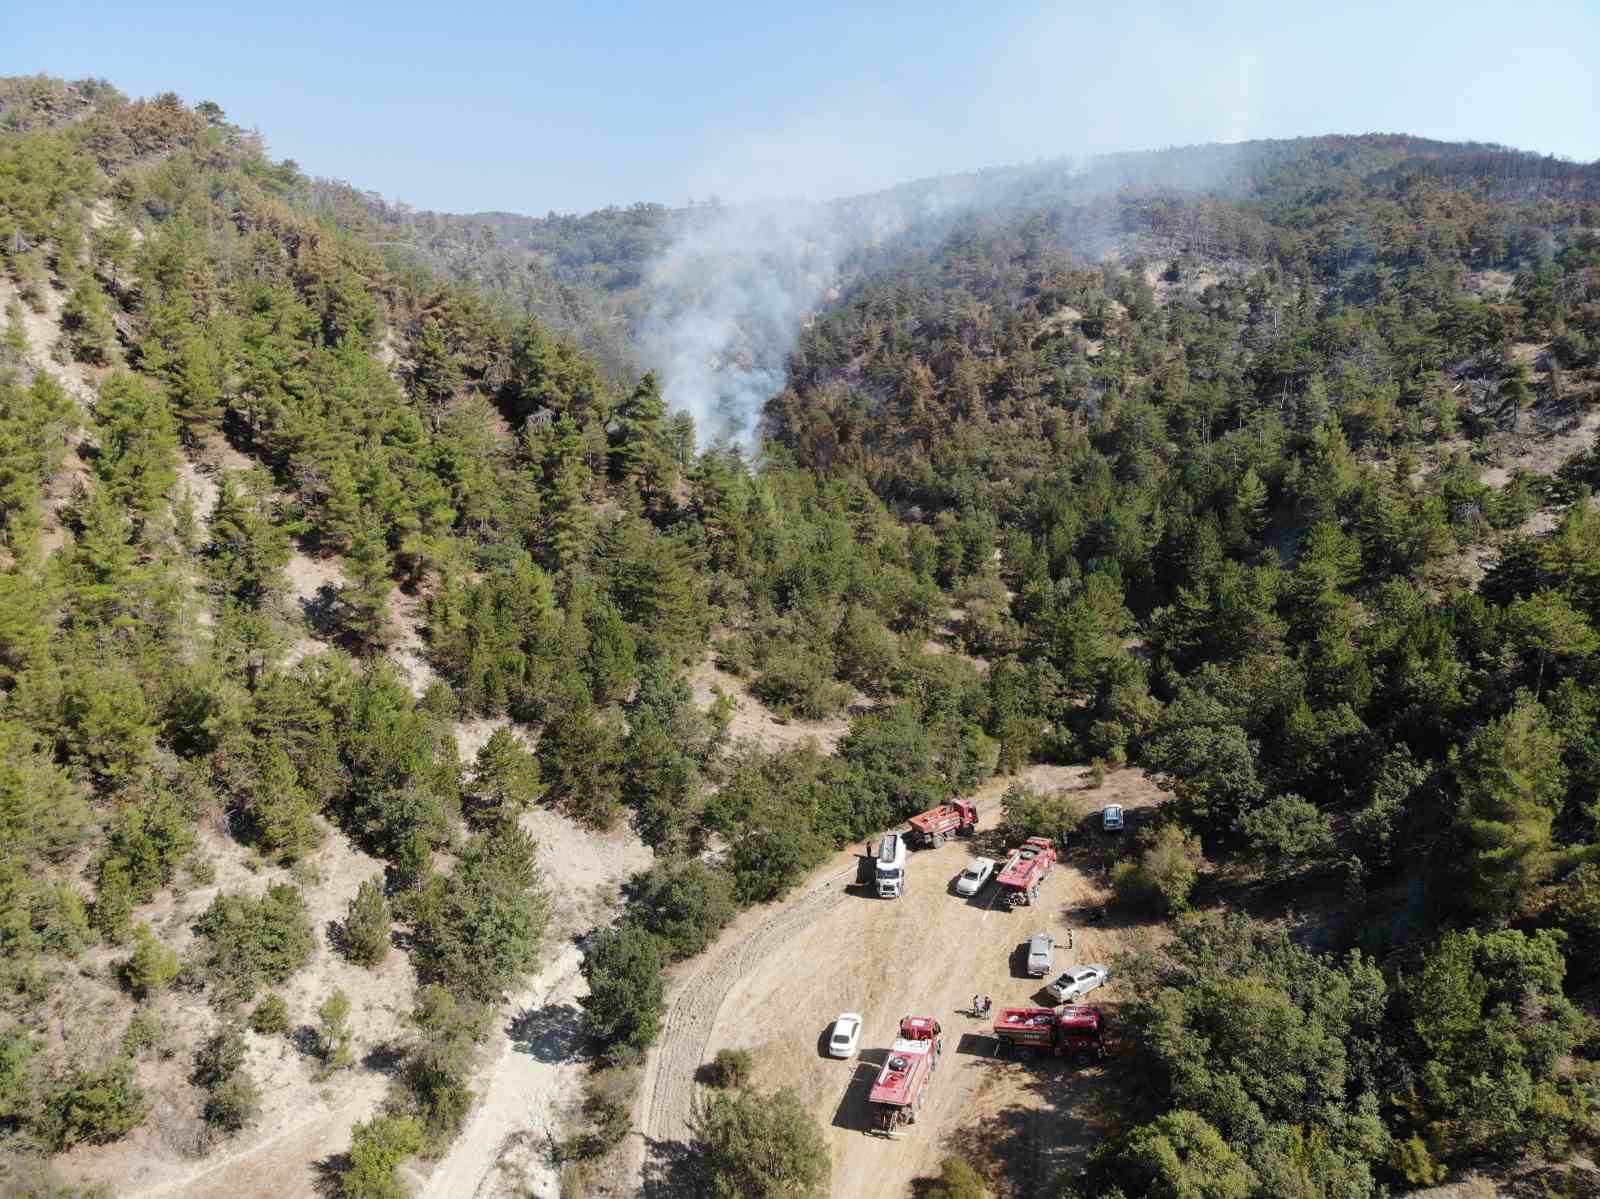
334	1033
250	544
568	520
436	374
365	600
113	900
189	355
1512	782
14	344
364	936
637	430
505	779
282	815
138	459
86	316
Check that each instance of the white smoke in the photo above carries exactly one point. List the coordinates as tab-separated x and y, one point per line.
735	289
729	298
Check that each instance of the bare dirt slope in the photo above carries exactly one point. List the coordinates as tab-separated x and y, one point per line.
752	722
302	1119
773	983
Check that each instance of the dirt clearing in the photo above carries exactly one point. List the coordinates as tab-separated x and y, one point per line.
752	722
774	982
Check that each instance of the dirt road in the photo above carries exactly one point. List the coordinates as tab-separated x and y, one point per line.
536	1060
774	982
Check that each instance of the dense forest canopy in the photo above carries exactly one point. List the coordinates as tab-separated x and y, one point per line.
1266	468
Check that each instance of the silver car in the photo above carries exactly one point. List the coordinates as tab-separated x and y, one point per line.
1041	954
1078	982
975	877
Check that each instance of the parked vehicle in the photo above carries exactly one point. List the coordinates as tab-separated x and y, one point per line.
1075	1032
1078	982
1111	818
846	1038
975	877
891	868
902	1084
1041	954
929	829
1026	869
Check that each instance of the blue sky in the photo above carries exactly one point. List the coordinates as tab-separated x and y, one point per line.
569	107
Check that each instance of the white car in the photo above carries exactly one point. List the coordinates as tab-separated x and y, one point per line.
1111	818
975	877
846	1038
1078	982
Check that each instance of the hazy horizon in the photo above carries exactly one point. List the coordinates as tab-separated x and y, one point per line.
557	108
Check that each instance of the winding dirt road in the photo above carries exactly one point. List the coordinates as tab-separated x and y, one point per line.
774	981
670	1076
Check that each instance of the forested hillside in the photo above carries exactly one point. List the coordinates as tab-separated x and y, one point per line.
1289	496
209	398
1268	472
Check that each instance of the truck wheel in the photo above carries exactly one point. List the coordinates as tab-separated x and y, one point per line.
938	840
1085	1057
1024	1053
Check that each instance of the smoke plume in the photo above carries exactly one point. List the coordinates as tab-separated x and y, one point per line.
733	292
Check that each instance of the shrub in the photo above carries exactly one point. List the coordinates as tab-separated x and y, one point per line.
1026	813
271	1015
199	870
93	1106
607	1102
146	1034
17	1050
731	1068
151	967
1166	871
246	943
625	1000
478	930
763	1147
38	1180
684	902
376	1148
1177	1154
957	1180
333	1032
1411	1160
364	936
234	1104
219	1058
796	681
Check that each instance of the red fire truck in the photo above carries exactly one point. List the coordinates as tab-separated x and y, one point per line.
1072	1031
1026	868
902	1083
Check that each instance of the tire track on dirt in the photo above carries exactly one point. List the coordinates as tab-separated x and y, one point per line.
687	1029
